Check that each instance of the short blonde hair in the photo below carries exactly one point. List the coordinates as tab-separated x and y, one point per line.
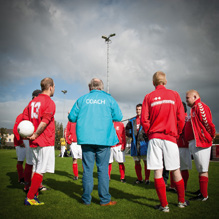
159	78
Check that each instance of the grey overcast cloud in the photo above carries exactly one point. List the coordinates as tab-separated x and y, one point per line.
62	40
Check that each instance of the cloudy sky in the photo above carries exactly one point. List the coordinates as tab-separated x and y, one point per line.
62	40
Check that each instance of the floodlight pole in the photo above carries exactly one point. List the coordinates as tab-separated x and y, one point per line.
108	41
64	92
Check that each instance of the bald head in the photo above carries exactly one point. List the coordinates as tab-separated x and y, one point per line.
191	97
96	84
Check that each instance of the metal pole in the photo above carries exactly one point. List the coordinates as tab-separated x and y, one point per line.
107	70
108	41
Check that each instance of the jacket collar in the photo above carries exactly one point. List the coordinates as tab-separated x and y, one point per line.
197	101
158	87
99	91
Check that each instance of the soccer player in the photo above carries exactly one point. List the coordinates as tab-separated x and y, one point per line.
94	114
139	145
200	134
63	145
75	149
185	155
163	119
117	151
40	111
23	151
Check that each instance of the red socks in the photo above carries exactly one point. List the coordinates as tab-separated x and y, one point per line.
203	183
180	190
138	171
35	184
27	175
161	191
109	169
122	170
185	176
75	169
147	172
20	171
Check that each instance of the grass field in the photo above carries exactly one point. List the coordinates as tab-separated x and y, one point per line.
64	198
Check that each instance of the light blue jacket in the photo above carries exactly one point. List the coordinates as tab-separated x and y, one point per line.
94	114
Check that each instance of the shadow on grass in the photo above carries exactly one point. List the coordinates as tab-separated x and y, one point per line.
14	181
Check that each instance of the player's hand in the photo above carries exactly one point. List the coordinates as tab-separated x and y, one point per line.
122	150
33	136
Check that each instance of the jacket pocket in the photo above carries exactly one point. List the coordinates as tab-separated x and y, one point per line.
143	148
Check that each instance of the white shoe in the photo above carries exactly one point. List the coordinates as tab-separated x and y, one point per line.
164	209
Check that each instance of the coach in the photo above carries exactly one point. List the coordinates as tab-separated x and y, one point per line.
94	114
163	119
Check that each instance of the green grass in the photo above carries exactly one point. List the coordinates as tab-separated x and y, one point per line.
64	198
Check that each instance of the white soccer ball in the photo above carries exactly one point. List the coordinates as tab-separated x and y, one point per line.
25	128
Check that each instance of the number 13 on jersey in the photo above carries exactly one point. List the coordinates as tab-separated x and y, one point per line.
35	106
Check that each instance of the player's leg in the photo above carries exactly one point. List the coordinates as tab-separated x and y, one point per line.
119	157
21	154
62	151
147	172
102	162
88	159
185	164
155	162
172	162
43	161
75	169
202	159
28	166
138	169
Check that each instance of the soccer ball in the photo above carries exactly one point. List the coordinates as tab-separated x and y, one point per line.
25	128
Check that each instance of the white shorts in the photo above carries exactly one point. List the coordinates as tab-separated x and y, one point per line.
116	154
185	159
21	153
139	158
76	151
201	156
160	151
29	152
44	159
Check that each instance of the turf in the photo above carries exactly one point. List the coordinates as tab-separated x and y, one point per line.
63	200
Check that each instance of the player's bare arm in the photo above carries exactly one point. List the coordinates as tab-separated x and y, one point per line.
39	130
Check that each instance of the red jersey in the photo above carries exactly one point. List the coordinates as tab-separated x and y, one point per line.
163	114
42	109
17	139
202	125
138	122
70	132
120	131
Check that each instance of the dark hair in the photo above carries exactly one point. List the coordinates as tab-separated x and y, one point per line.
185	108
139	105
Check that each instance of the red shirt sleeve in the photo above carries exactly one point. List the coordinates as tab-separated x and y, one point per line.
17	139
204	115
145	122
49	113
123	137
